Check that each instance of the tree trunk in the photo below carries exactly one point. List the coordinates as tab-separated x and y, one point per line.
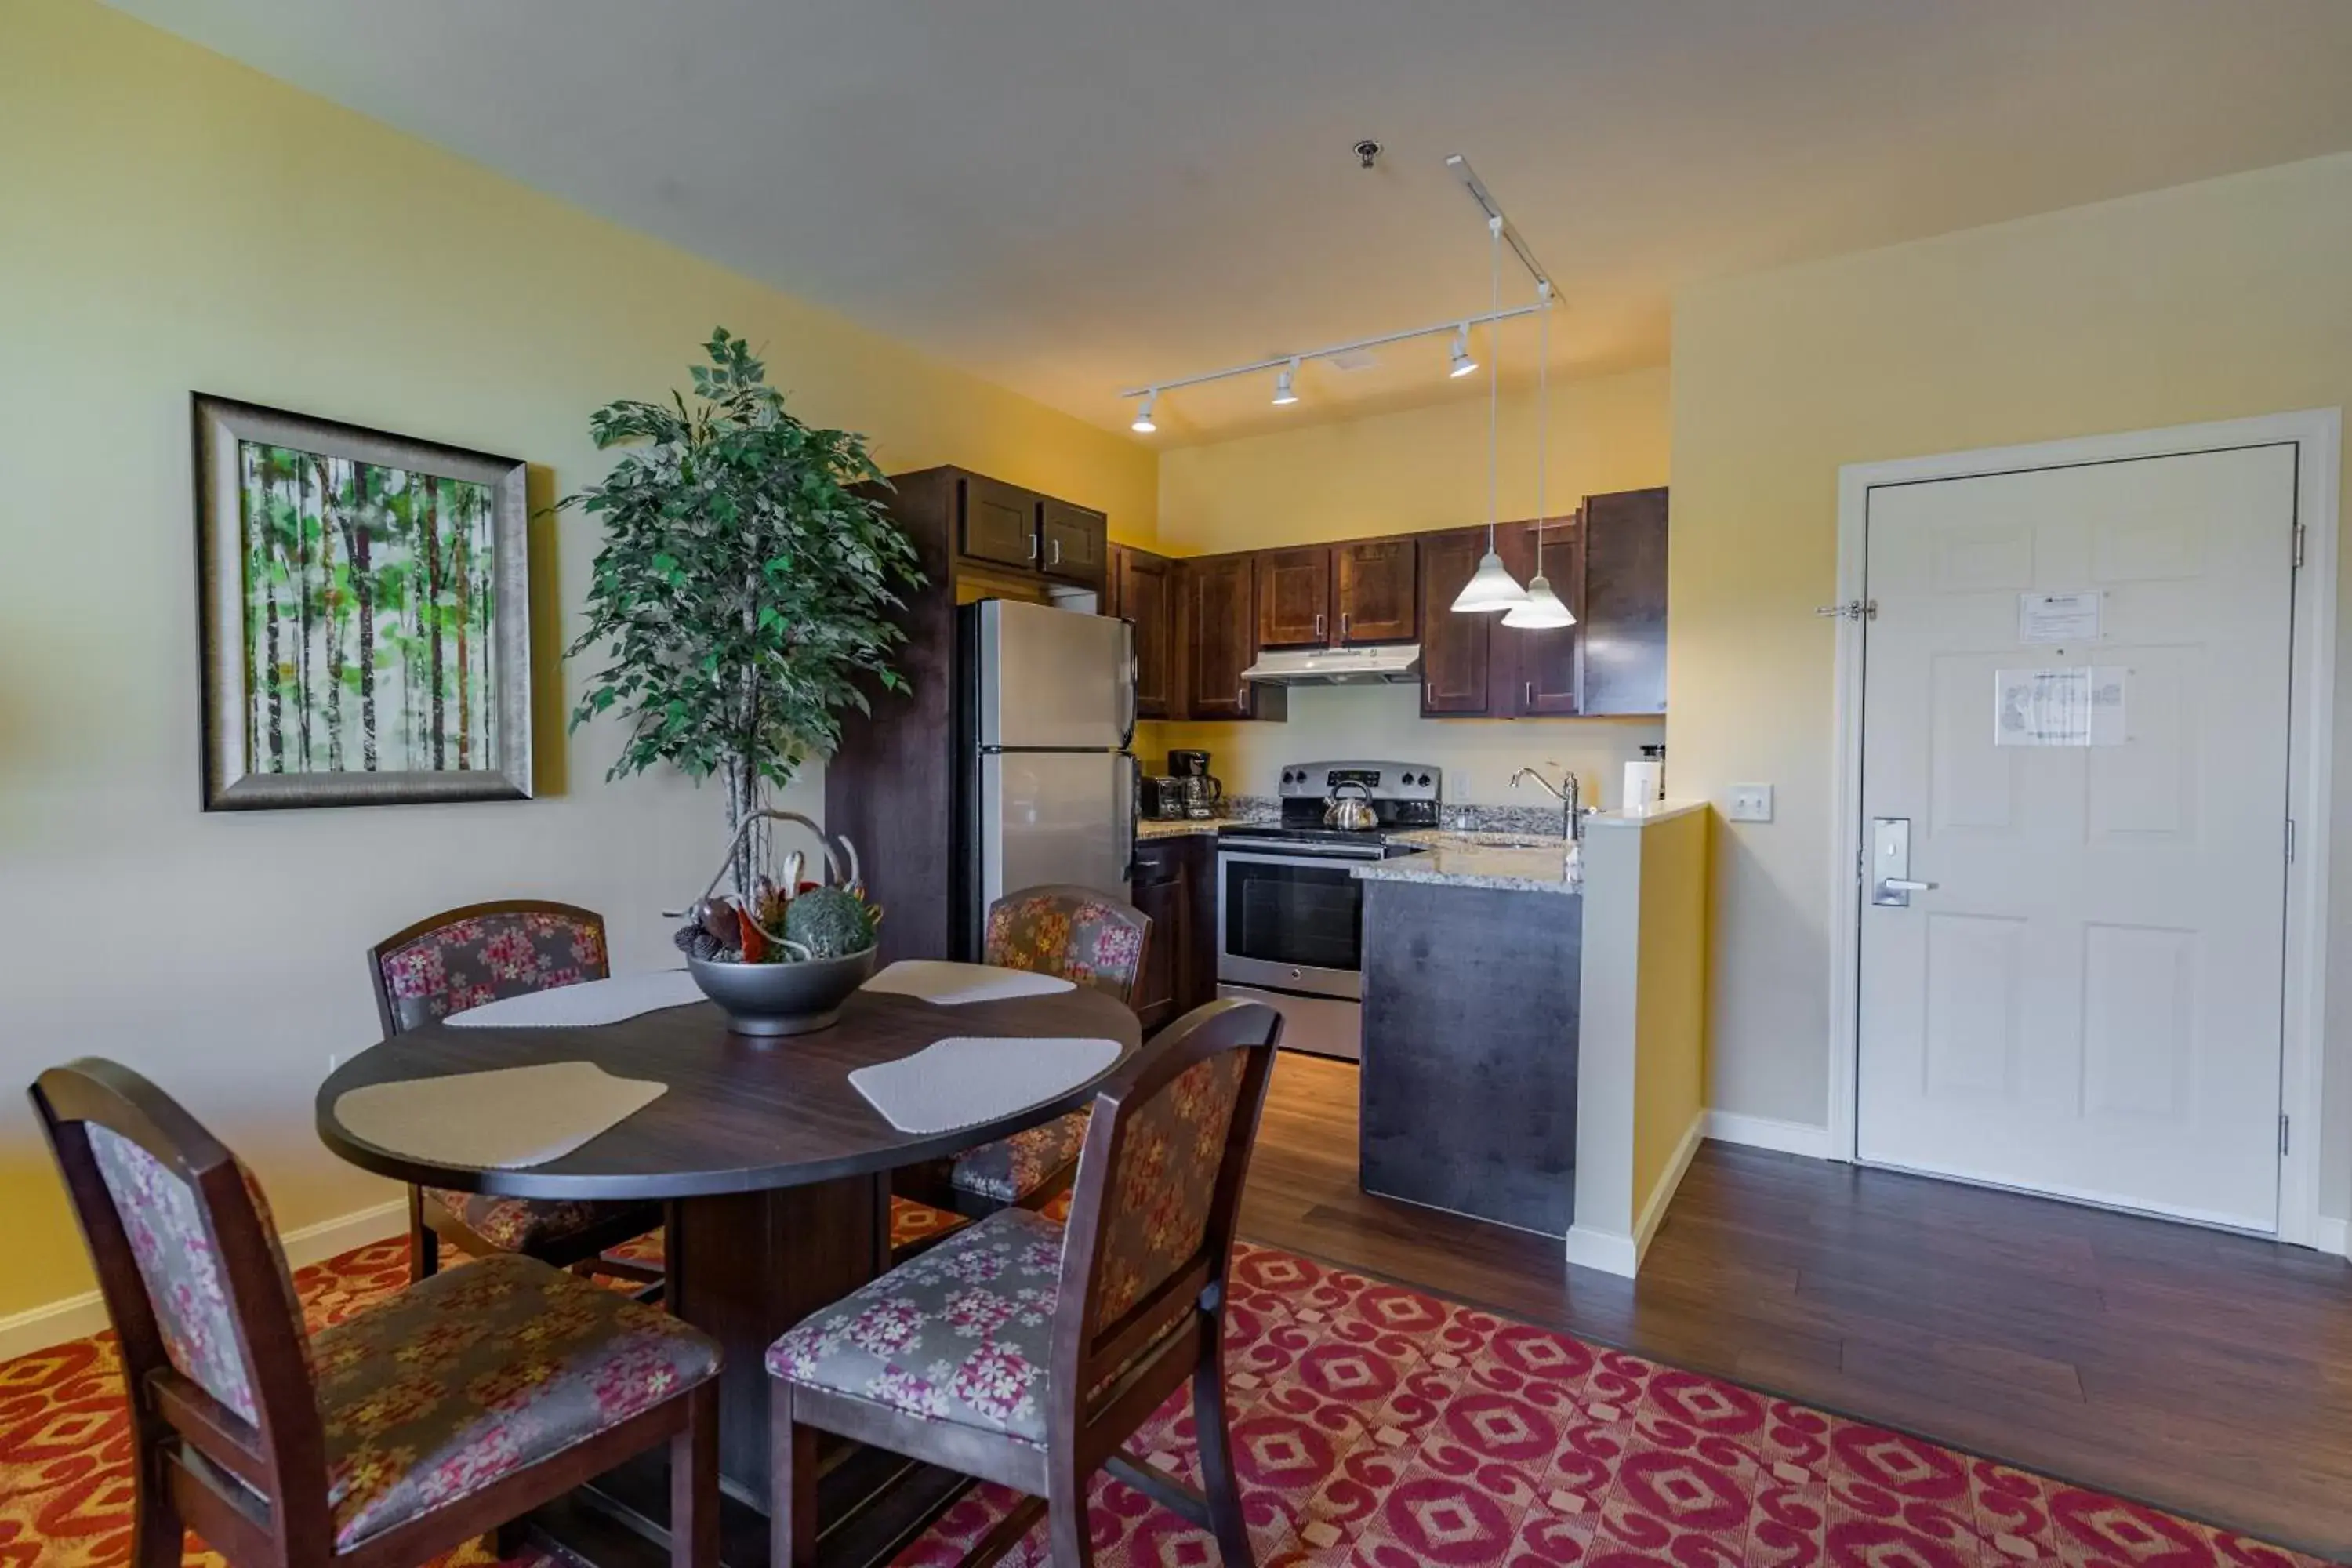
429	611
299	568
362	549
329	519
269	622
464	574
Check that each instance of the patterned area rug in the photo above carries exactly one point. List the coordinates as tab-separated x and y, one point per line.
1374	1427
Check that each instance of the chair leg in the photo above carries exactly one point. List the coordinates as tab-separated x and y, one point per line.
158	1537
694	1482
1066	1515
423	1247
1211	1426
791	1500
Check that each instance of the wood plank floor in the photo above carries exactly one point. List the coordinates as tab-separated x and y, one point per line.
2206	1373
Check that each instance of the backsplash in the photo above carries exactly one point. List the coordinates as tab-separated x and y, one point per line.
1383	723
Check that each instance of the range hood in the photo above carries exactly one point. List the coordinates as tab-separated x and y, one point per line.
1395	662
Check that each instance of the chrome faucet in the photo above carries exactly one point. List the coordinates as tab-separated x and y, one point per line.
1568	791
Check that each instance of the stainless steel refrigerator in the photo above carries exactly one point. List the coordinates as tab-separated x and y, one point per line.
1044	720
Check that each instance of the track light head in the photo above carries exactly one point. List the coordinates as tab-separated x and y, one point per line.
1285	391
1462	364
1143	425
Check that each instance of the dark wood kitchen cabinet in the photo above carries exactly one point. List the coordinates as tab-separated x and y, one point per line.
1074	542
1536	672
1376	582
1141	587
1454	649
998	522
1220	616
1623	548
1294	597
1175	884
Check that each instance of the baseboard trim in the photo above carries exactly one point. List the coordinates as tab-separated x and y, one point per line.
2333	1235
38	1328
1611	1252
1768	1133
1653	1212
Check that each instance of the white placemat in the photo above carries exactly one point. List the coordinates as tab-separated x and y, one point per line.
963	1082
497	1121
950	985
590	1002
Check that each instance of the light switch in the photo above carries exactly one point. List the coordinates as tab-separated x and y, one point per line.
1750	802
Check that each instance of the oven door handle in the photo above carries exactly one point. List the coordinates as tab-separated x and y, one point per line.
1300	855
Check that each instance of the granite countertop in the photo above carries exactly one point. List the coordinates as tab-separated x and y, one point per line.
1148	828
1503	861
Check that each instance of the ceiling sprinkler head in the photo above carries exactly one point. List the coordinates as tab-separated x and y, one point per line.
1368	151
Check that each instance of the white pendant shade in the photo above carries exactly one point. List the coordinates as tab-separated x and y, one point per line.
1491	587
1540	608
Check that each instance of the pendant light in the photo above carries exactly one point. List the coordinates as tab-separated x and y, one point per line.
1542	608
1492	587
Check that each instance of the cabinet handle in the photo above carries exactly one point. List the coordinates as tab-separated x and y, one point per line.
1531	694
1318	624
1241	694
1033	547
1343	625
1057	552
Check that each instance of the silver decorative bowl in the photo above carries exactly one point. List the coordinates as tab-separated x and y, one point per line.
772	999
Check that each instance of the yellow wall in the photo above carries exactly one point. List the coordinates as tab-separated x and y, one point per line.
175	221
1407	472
2215	301
1670	1022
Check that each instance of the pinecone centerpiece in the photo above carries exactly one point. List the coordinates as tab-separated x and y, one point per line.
782	957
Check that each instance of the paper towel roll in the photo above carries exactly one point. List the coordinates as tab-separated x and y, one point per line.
1645	785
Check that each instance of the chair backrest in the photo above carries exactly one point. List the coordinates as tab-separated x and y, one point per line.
463	958
1159	1185
195	1284
1073	932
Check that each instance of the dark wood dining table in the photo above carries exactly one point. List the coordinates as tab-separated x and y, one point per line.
775	1173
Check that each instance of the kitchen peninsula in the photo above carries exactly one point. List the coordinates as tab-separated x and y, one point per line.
1532	1026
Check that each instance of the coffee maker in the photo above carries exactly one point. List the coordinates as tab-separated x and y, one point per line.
1204	794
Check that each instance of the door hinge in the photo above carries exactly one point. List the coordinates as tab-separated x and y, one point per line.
2283	1140
1851	610
2290	840
2298	546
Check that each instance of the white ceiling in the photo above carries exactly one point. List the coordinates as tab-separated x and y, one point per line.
1072	196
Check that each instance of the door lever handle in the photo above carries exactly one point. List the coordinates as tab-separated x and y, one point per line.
1905	885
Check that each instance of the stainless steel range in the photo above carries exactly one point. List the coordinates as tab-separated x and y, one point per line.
1290	913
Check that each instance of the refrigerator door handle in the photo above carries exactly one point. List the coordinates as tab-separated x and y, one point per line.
1126	684
1125	808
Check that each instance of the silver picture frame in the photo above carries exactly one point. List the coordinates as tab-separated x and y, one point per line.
230	780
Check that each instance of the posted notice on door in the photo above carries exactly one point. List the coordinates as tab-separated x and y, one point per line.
2076	705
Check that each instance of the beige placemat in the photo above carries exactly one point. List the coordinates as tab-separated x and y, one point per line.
949	985
590	1002
501	1119
964	1080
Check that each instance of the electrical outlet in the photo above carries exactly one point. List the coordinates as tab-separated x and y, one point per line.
1750	802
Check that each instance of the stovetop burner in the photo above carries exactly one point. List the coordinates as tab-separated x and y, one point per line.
1404	795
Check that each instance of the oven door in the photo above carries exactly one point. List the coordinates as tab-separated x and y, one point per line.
1290	922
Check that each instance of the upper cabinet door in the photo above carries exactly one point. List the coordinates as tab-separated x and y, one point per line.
1222	624
1377	590
999	523
1624	604
1538	669
1294	597
1454	648
1143	585
1075	541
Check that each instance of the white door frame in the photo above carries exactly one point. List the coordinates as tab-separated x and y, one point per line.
2318	432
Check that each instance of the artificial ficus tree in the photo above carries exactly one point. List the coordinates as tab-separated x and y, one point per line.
744	588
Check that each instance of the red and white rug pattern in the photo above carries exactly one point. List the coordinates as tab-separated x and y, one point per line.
1374	1427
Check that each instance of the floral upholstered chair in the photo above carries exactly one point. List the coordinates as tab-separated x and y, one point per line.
1027	1356
1077	934
392	1437
461	959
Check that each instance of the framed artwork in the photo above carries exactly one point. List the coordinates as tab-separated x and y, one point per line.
365	606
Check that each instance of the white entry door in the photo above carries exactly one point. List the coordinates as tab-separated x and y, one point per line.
2088	1001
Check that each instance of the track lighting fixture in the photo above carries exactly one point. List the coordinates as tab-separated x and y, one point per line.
1462	364
1284	393
1143	425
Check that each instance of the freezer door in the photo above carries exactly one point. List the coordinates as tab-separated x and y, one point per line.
1056	816
1054	679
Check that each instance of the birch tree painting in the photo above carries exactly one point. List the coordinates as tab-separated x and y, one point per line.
370	601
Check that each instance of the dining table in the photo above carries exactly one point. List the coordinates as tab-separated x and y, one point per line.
774	1175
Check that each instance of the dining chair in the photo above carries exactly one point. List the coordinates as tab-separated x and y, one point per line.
1077	934
462	958
1027	1353
426	1420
